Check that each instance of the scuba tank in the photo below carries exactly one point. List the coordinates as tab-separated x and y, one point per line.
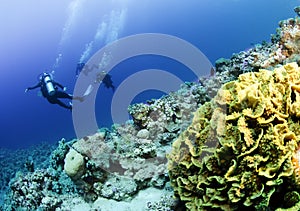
49	85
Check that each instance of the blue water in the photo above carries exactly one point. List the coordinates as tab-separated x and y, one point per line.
54	35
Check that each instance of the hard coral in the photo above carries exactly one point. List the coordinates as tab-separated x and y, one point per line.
74	164
283	48
26	192
241	149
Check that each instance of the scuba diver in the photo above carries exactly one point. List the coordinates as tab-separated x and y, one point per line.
100	76
49	89
106	79
79	67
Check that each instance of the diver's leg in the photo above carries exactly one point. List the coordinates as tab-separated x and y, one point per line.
60	94
51	100
54	100
63	105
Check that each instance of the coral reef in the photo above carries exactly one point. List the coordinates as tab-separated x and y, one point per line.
31	189
125	166
289	40
169	112
242	149
283	48
25	160
132	155
46	187
114	164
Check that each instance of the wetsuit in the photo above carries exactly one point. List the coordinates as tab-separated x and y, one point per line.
57	94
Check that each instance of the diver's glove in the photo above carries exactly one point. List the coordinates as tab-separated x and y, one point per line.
65	89
26	90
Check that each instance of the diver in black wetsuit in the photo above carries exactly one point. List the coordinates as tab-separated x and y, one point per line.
101	77
79	67
49	89
106	79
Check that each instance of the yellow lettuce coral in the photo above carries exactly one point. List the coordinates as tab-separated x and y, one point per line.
241	149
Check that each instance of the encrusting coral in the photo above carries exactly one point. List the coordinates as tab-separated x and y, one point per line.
242	148
283	48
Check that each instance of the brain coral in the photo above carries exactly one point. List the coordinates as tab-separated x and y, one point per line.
242	150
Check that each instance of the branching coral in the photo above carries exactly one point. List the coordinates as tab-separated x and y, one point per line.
241	149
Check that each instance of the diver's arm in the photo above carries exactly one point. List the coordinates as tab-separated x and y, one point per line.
33	87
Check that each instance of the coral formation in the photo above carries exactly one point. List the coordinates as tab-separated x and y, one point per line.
169	112
26	191
118	164
289	39
24	160
241	149
74	164
46	187
283	48
41	189
132	153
